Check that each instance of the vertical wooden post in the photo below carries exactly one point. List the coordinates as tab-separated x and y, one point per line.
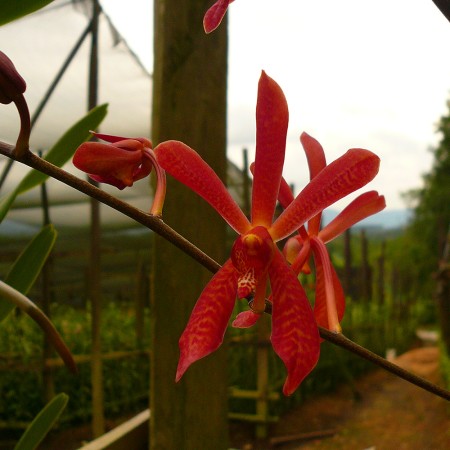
365	270
189	104
47	373
245	183
262	379
98	419
381	274
141	290
348	285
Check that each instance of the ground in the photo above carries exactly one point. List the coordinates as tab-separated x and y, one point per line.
391	414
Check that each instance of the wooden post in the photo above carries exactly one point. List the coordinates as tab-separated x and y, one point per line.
98	418
365	269
140	299
47	372
189	104
381	277
245	183
262	379
348	285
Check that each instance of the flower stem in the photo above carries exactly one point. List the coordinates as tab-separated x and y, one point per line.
160	192
22	144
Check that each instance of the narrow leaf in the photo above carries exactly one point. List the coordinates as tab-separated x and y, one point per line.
12	10
42	423
28	265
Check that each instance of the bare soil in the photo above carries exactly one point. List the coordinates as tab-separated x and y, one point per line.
391	414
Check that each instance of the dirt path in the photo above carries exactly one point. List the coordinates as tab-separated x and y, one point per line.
392	414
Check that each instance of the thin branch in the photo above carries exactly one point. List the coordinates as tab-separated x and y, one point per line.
158	226
342	341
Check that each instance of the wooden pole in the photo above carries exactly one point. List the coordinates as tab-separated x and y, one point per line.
262	377
365	269
189	104
246	183
47	372
98	415
348	285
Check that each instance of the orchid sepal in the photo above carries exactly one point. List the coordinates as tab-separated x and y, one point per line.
186	165
353	170
360	208
209	319
295	336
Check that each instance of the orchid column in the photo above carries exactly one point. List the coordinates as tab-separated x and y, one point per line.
189	104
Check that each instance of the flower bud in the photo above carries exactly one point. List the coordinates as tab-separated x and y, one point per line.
12	84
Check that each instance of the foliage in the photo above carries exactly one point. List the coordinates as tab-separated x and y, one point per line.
126	380
28	265
42	423
426	234
10	11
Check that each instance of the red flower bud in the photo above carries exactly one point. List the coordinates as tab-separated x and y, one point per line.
12	85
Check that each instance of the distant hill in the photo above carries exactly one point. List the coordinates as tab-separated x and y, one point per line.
388	220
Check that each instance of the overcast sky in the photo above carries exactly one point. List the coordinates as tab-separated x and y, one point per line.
356	73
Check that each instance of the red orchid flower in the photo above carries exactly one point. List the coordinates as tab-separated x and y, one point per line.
120	163
329	305
215	14
255	259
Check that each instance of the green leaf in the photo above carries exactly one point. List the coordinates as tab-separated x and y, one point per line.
58	155
14	9
42	423
28	265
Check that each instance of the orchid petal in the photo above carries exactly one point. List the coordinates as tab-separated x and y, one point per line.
295	337
285	195
113	139
300	263
316	162
314	154
348	173
245	319
215	14
209	319
272	118
186	165
363	206
329	304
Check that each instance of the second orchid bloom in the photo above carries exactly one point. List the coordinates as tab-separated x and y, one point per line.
256	262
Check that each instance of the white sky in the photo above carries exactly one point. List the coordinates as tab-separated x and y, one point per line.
371	74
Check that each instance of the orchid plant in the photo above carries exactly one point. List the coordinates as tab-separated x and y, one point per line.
255	259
